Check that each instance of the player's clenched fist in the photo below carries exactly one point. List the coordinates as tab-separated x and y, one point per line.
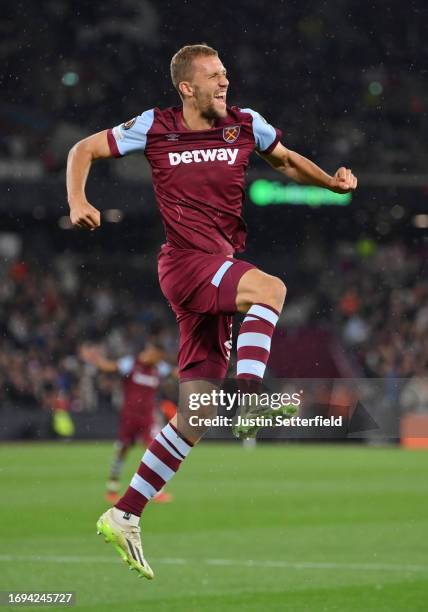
85	215
343	181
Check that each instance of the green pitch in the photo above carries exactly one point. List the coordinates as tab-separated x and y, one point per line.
276	528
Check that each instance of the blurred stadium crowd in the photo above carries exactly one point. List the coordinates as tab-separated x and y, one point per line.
365	296
45	317
332	76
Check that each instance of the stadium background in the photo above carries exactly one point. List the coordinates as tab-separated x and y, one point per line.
346	82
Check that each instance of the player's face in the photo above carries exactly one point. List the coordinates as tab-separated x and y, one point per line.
210	85
151	355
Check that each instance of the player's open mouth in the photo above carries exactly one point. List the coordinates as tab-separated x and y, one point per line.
221	97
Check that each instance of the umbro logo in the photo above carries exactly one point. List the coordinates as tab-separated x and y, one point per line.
172	137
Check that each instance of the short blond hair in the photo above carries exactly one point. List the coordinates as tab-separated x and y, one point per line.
181	63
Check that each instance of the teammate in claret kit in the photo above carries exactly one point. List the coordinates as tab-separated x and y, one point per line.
198	153
141	380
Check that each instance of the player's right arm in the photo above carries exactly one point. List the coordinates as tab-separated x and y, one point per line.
93	356
121	140
80	158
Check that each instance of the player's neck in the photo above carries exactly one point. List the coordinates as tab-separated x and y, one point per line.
192	120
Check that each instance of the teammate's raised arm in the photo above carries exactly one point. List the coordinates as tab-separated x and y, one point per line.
80	158
302	170
93	356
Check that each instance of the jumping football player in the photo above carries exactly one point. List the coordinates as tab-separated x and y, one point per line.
198	153
141	380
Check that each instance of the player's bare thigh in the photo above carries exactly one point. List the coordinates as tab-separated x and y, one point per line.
257	287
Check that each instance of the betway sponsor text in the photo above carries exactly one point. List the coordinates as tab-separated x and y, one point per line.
203	155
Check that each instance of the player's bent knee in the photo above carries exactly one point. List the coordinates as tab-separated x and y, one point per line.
256	287
279	291
272	292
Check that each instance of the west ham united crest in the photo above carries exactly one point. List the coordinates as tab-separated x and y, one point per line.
231	133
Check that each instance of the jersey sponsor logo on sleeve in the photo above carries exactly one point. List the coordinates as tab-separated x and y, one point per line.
203	155
231	133
128	124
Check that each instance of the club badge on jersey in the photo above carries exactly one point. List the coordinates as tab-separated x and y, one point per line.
231	133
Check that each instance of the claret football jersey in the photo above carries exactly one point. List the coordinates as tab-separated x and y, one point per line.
198	175
140	383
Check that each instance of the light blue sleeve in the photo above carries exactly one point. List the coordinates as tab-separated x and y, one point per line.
264	133
132	135
164	369
125	365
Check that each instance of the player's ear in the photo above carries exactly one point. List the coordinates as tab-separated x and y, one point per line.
186	89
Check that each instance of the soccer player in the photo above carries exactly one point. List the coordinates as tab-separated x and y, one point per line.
141	380
198	153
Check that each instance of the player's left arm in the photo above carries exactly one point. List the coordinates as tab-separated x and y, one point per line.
302	170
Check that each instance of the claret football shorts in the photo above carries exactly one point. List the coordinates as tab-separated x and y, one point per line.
135	425
201	288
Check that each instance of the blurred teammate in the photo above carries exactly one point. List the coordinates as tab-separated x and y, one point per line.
198	153
141	379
